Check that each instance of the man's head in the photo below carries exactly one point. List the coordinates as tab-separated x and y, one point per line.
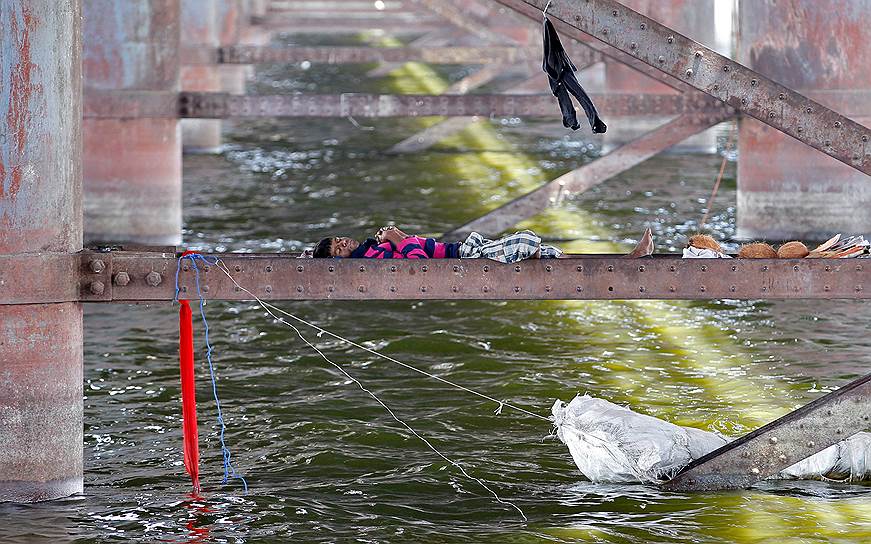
335	247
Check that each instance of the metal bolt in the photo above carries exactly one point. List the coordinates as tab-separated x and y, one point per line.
605	31
486	268
153	278
361	289
97	287
771	115
754	470
205	288
699	54
765	268
773	440
362	269
799	129
548	268
517	268
702	288
97	266
268	288
864	137
393	268
392	289
826	288
661	59
641	268
744	101
811	444
858	268
633	45
828	143
610	268
456	268
689	72
269	269
185	268
486	289
331	288
422	289
732	288
206	268
672	268
237	268
782	458
734	268
726	68
237	288
671	288
332	268
122	278
614	13
704	268
838	431
299	269
754	82
579	288
424	268
547	288
641	289
670	39
781	96
716	86
516	289
809	110
643	26
454	289
299	288
579	268
837	124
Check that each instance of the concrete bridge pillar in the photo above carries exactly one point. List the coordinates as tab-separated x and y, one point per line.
819	48
199	34
132	167
232	19
40	212
693	18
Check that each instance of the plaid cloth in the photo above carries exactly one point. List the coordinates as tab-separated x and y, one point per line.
508	249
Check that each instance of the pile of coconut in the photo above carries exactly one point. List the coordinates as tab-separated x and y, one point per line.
703	246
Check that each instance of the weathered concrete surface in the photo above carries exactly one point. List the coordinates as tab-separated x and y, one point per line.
40	211
132	167
199	31
693	18
818	47
232	19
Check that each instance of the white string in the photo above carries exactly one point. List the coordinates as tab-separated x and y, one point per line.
321	331
268	307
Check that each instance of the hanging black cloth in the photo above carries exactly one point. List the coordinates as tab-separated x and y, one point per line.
561	75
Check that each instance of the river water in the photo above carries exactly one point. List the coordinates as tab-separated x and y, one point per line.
325	462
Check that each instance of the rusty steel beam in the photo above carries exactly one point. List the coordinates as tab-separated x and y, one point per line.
782	443
720	77
463	19
250	54
221	105
143	276
438	132
397	23
589	175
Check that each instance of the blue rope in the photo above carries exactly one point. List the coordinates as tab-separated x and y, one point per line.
229	470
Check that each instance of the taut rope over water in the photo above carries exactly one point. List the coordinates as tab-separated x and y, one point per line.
271	309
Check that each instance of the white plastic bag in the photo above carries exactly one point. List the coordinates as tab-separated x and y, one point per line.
610	443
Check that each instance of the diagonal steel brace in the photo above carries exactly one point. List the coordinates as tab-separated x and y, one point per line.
782	443
619	160
695	65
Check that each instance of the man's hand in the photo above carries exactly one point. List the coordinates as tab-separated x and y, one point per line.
393	235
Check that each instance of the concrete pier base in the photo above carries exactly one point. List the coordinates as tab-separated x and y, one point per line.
132	167
199	22
40	193
787	190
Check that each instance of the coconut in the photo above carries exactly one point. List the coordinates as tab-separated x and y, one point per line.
792	250
757	250
703	241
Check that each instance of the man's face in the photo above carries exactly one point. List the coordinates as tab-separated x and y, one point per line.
342	247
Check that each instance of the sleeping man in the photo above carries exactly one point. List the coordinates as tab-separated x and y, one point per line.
392	243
